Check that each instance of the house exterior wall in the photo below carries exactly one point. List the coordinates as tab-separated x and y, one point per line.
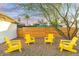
11	33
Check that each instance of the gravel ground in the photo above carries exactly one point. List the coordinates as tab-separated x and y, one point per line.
39	49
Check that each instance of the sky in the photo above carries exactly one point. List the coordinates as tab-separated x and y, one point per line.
14	11
10	9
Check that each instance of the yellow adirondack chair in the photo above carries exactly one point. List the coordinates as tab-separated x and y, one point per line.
29	39
68	45
49	39
12	45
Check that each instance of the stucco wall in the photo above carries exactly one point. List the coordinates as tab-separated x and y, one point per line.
11	33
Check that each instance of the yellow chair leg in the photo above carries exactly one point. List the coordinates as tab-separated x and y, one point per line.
73	50
20	50
51	43
7	51
58	47
28	44
61	50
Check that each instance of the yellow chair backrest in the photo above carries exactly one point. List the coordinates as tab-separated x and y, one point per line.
73	42
51	36
8	42
28	37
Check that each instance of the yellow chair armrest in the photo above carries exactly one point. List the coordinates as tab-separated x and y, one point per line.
66	40
66	43
16	41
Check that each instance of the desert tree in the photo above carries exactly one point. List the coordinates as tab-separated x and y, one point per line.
55	12
70	17
27	17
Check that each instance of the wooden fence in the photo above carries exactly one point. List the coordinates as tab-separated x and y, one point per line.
40	32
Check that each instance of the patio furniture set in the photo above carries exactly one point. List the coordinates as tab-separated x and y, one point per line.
64	44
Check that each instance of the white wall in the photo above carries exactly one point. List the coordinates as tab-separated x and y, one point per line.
11	33
4	25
